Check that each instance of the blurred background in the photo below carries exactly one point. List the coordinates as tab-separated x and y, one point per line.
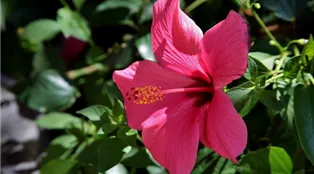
59	56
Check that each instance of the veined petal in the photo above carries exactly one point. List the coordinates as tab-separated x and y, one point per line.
225	50
222	128
175	39
172	137
145	77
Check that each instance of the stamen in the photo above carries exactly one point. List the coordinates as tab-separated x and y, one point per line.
151	94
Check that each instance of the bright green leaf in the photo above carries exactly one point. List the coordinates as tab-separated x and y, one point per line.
308	53
103	154
304	118
73	24
41	30
95	112
49	92
60	167
143	45
267	59
272	160
57	120
252	70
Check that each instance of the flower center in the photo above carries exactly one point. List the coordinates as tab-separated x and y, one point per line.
151	94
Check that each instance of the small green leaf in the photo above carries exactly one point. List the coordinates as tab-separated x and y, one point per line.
132	5
102	154
268	160
49	92
252	70
304	118
67	141
267	59
78	3
250	103
308	53
41	30
95	112
143	45
40	60
128	135
108	127
292	67
239	96
60	167
139	158
57	120
73	24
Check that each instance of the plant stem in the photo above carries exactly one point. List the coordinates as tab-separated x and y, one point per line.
74	74
273	78
192	6
269	34
282	60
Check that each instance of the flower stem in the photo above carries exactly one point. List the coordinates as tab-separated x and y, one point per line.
269	34
74	74
192	6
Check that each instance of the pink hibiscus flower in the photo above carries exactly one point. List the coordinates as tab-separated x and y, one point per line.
179	100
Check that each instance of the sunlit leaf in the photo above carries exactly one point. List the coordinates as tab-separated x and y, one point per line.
252	70
57	120
41	30
73	24
268	160
49	92
307	56
144	47
95	112
103	154
60	167
304	118
267	59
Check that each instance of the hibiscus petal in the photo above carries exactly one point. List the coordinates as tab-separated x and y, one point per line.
225	50
175	38
172	137
152	76
222	128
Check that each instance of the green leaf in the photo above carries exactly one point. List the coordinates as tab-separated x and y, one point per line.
304	118
78	3
132	5
267	59
307	55
143	45
269	99
57	120
40	60
287	10
250	103
108	127
60	167
292	67
49	92
239	96
41	30
268	160
103	154
128	135
224	167
60	147
138	158
73	24
252	70
95	112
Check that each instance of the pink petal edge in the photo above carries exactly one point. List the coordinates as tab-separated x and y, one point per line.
225	49
222	128
172	137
